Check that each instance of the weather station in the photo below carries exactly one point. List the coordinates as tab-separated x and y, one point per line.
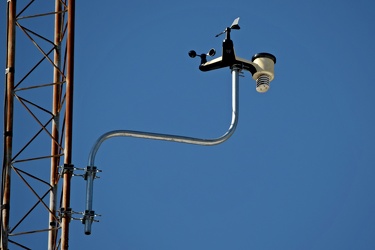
262	69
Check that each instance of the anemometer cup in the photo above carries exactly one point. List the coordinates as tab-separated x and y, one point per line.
192	53
265	64
203	57
211	52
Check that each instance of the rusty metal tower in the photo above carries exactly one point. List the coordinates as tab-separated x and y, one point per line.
37	167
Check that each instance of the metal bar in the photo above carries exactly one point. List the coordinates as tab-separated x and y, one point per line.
40	200
8	123
63	2
25	8
36	45
33	68
36	34
90	171
18	244
34	116
56	106
40	15
25	216
29	186
68	122
32	139
31	232
31	176
37	158
23	100
39	86
175	138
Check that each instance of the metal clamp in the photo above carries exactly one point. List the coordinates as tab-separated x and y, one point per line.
91	171
65	212
87	215
66	168
69	168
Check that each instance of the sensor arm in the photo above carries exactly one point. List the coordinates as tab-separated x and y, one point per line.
89	214
176	138
219	62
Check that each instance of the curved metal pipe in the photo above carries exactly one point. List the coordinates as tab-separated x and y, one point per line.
91	169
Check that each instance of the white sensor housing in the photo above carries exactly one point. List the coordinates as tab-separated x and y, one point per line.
265	64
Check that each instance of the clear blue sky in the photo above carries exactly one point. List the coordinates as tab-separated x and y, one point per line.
297	174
